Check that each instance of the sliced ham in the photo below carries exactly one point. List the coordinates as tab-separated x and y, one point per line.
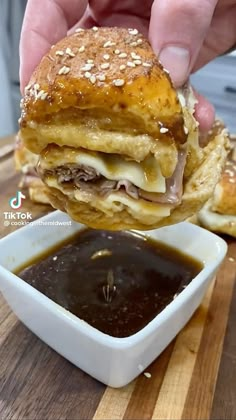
174	185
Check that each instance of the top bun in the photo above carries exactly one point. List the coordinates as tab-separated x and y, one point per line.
110	68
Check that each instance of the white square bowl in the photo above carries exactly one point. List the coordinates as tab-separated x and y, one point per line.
113	361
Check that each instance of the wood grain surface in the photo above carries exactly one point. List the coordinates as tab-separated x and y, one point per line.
194	378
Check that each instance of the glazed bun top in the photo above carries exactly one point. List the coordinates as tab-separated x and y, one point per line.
105	68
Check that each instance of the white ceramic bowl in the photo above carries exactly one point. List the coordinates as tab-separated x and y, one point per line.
113	361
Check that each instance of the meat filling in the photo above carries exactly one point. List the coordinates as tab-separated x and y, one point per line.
88	179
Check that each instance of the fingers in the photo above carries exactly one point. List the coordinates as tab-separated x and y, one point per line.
45	23
204	113
177	31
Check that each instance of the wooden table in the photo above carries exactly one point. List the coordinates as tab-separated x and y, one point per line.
194	378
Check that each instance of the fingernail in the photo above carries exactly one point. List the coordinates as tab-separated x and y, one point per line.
176	60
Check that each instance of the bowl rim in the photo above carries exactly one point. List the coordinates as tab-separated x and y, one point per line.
88	330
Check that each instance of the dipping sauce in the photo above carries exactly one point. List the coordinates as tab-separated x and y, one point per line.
115	281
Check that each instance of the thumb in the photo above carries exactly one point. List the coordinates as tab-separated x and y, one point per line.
177	31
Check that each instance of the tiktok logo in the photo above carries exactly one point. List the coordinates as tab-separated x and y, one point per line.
16	202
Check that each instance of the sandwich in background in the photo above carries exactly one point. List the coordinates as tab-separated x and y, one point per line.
219	213
26	163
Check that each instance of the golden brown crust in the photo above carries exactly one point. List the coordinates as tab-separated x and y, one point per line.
141	96
224	199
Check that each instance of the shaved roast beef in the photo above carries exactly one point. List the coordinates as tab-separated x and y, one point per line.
91	181
74	173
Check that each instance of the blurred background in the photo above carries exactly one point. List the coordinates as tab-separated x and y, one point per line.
217	80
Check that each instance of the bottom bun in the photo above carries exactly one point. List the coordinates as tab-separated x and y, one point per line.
197	191
38	192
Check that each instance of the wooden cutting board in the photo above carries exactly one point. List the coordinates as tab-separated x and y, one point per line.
194	378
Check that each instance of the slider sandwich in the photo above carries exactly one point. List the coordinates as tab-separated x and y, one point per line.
26	163
219	213
118	145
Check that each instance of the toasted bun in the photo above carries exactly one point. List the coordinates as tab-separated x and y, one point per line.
103	91
219	213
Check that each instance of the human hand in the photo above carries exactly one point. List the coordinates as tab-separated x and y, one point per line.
184	34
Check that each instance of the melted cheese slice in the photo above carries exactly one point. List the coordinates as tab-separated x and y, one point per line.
145	175
116	202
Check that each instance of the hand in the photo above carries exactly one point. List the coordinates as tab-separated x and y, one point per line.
185	34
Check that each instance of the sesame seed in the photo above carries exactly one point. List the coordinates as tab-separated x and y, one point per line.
101	77
148	375
81	49
90	61
78	30
54	258
87	67
135	56
106	56
93	79
139	41
95	28
122	55
70	52
185	130
137	62
122	67
133	44
147	65
228	171
163	130
28	87
130	64
109	44
61	53
64	70
19	120
36	86
117	52
105	66
232	180
175	295
32	124
182	100
41	92
231	259
133	31
44	96
119	82
87	75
